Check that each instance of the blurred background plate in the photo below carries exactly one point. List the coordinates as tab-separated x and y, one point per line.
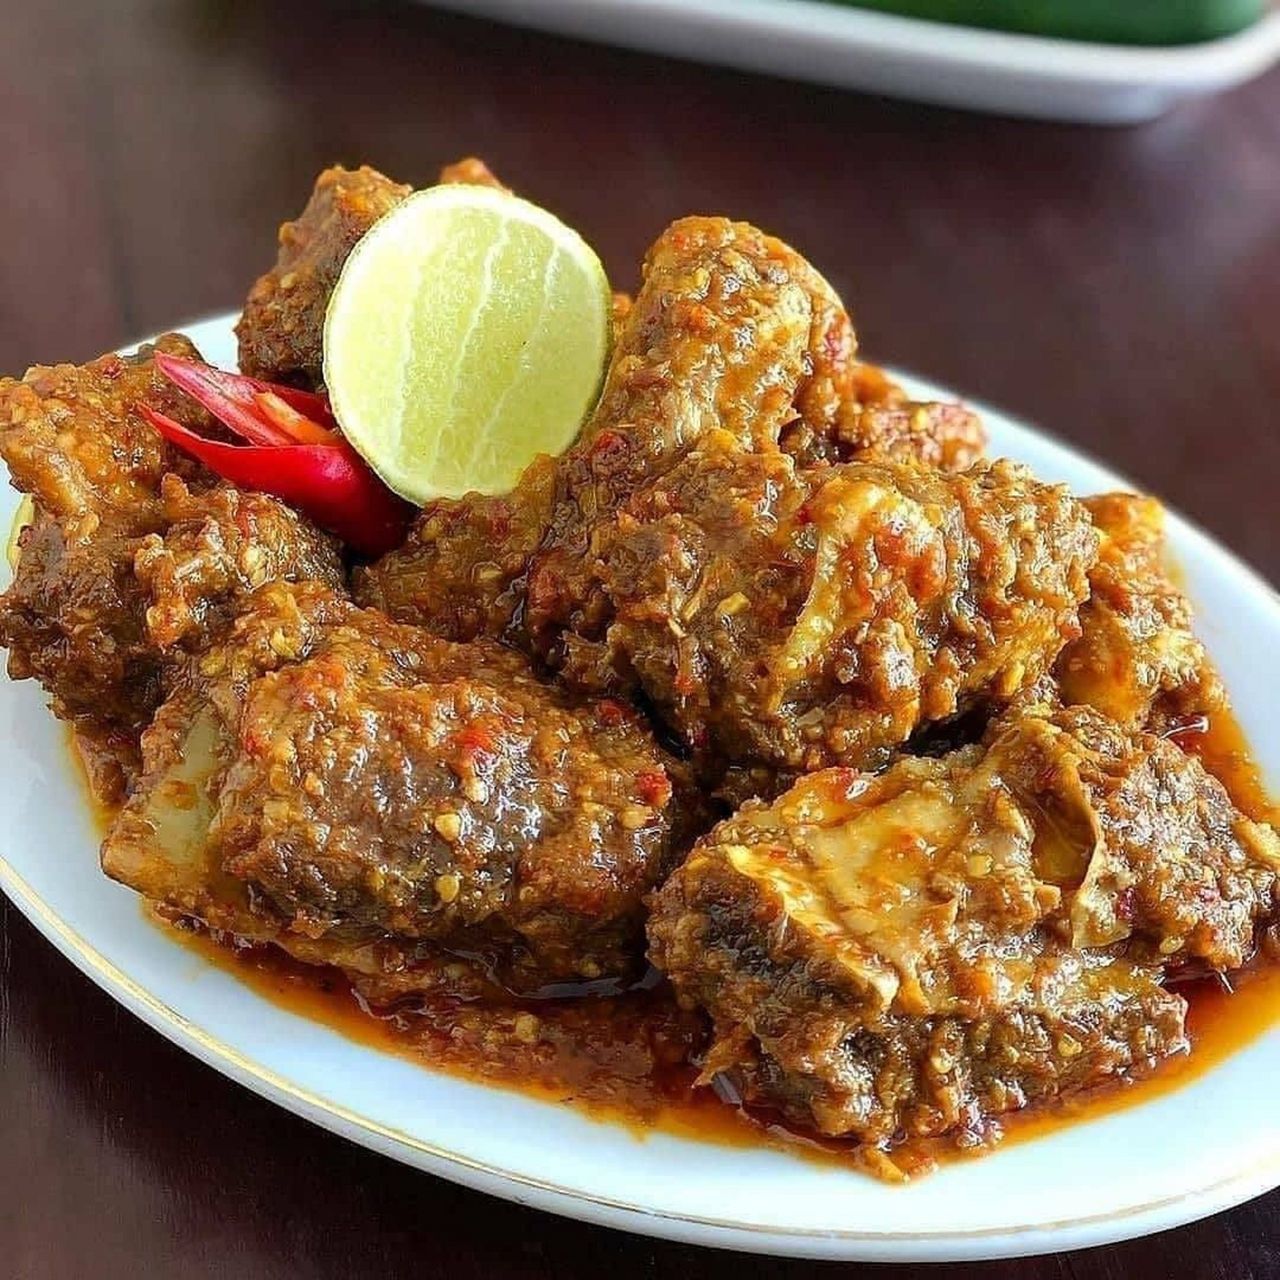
909	58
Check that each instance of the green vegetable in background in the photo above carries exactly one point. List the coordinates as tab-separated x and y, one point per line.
1153	22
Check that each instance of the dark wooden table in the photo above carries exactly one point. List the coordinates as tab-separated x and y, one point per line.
1120	288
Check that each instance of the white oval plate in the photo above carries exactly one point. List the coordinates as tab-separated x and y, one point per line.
1177	1157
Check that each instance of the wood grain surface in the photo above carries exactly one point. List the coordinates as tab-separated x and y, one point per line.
1121	289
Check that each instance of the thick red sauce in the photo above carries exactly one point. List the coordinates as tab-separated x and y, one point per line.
624	1059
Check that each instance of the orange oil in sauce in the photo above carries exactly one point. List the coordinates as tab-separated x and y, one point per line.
621	1059
610	1082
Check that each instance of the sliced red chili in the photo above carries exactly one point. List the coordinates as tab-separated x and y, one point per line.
231	397
330	483
280	413
230	410
654	787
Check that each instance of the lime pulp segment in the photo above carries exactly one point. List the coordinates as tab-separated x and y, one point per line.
468	333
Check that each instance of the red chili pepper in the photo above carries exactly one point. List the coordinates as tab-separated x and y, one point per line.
290	454
329	483
232	398
283	415
654	787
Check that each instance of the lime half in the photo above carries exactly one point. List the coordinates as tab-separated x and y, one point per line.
468	333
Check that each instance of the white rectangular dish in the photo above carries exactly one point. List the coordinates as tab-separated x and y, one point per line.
908	58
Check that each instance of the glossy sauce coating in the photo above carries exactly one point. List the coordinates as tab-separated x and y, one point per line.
600	1064
623	1058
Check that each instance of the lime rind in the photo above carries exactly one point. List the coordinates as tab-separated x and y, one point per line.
468	333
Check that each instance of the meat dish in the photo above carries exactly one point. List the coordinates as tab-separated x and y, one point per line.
366	788
772	735
917	951
132	551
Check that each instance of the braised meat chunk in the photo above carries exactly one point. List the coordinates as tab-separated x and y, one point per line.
672	550
369	793
218	545
1176	873
800	619
132	547
73	618
281	332
718	337
913	954
731	331
869	415
71	435
93	609
1137	658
